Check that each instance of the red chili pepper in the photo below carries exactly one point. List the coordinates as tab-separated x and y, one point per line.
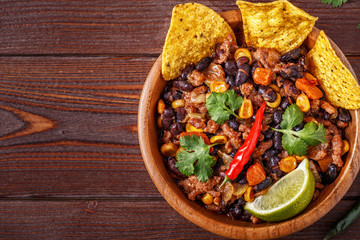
243	154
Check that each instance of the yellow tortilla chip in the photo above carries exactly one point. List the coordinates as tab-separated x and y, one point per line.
340	86
193	33
279	25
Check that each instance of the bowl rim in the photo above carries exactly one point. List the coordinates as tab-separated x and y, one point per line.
216	223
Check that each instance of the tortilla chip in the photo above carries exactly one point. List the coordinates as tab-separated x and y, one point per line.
279	25
193	33
340	86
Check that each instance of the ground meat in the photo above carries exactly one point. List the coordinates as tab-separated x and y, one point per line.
341	124
199	90
213	207
260	150
267	57
214	72
247	89
228	147
166	138
315	106
254	219
336	150
196	78
198	123
283	154
229	132
320	151
214	193
327	107
236	142
289	89
256	100
223	51
193	187
211	127
279	81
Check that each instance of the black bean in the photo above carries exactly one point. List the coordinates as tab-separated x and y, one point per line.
269	133
273	161
262	89
285	103
166	123
245	216
330	174
242	60
245	68
183	86
172	95
203	64
291	56
270	152
326	116
186	72
176	129
171	166
180	114
168	113
233	124
292	72
242	179
230	67
270	95
263	185
299	127
240	202
344	115
277	116
214	152
254	66
230	80
235	212
277	126
277	140
242	74
277	172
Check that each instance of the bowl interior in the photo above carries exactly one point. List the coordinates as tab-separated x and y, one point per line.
220	224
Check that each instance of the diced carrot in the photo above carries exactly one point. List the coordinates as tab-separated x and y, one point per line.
262	76
310	78
324	163
199	134
308	88
255	174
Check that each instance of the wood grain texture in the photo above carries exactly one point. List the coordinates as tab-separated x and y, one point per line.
131	27
124	219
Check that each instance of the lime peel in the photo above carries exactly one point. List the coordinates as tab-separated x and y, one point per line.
287	197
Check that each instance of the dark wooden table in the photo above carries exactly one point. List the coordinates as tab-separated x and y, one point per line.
71	74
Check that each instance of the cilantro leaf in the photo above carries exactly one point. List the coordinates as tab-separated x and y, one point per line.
359	26
297	142
221	105
291	117
312	133
196	152
294	145
335	3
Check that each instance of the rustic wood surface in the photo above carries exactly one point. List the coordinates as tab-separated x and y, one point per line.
71	74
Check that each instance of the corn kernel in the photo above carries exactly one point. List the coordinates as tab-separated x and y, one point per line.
191	128
207	199
159	122
249	194
217	201
219	86
288	164
345	147
275	88
243	52
168	149
299	158
161	106
303	102
178	103
246	109
218	139
276	103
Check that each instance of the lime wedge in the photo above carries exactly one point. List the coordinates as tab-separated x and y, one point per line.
287	197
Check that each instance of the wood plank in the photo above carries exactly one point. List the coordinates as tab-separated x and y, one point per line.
124	219
131	27
91	147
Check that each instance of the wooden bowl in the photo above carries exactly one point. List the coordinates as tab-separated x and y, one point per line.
220	224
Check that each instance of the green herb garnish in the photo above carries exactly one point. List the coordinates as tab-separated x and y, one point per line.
297	142
221	105
335	3
359	26
196	151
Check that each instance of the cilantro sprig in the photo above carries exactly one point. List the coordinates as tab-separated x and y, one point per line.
297	142
335	3
221	105
195	159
